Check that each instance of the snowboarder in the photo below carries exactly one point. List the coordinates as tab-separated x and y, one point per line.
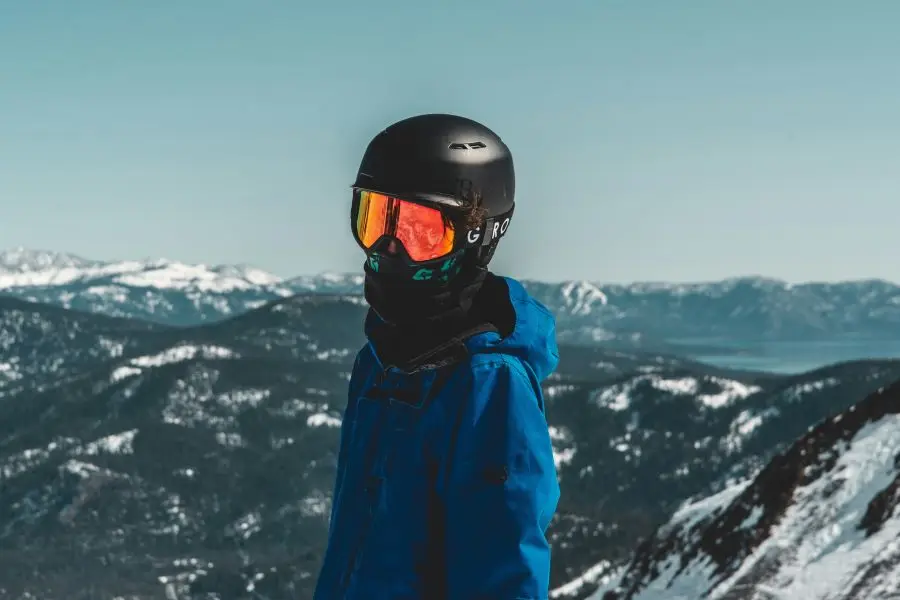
445	481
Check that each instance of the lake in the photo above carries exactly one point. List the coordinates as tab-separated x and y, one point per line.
794	357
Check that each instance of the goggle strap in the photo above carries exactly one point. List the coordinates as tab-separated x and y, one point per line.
494	229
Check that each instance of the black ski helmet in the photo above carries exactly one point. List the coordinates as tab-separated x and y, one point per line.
446	160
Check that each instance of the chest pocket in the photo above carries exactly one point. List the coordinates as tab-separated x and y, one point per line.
392	430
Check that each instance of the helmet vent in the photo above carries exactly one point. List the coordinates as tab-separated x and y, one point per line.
469	146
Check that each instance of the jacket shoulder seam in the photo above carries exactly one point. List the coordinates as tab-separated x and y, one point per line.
501	361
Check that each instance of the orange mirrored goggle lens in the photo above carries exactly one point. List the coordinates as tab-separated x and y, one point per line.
423	230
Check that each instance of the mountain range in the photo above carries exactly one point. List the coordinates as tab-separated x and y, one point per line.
179	458
656	316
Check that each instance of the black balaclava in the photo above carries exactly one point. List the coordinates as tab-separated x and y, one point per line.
415	317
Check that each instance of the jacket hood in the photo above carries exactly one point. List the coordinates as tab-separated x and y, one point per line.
533	336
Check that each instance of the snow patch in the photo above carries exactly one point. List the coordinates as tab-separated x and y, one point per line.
731	391
323	420
182	353
581	296
119	443
599	573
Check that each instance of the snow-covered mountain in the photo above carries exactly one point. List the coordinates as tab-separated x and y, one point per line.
634	446
201	458
655	316
158	290
43	344
22	260
750	308
820	521
327	283
171	458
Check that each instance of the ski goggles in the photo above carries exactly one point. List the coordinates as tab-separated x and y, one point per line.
426	231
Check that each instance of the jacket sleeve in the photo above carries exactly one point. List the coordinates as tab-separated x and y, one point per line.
501	490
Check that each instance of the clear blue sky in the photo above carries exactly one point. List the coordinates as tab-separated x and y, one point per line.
658	140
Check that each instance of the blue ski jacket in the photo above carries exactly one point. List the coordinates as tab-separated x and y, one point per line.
446	481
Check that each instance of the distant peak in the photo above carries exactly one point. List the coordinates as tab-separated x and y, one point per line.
582	296
21	267
247	272
25	260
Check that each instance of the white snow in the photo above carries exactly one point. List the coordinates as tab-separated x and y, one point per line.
552	391
192	401
731	391
797	391
618	397
114	347
325	282
315	505
295	406
599	573
237	400
687	586
559	434
10	371
604	365
828	552
80	468
682	386
333	353
341	278
248	525
563	449
581	296
229	439
181	353
157	274
563	456
24	260
689	513
743	425
119	443
323	420
110	292
752	519
121	373
816	550
181	276
615	397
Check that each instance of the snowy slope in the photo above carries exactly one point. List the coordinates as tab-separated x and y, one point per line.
196	457
820	521
40	343
631	446
193	467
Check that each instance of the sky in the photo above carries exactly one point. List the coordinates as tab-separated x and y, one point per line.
653	140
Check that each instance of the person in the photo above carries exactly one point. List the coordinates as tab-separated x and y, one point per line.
445	482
